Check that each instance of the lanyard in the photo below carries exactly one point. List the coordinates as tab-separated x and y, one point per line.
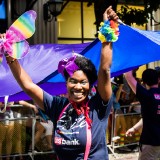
88	132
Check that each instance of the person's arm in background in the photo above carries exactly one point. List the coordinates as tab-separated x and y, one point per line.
24	80
26	104
131	80
130	108
1	104
135	128
104	82
39	113
118	93
133	104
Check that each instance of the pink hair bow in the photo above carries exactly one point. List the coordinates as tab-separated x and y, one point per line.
69	65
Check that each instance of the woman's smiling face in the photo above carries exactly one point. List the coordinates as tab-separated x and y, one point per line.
78	86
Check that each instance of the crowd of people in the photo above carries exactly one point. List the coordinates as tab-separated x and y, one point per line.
43	126
14	130
80	120
125	113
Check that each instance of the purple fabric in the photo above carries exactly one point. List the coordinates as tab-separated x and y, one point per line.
133	49
41	61
69	65
52	88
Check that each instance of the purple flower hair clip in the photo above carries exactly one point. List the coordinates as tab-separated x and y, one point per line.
69	65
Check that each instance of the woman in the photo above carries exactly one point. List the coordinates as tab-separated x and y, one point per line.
79	124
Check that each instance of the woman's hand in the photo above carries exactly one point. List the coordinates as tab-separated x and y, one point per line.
110	14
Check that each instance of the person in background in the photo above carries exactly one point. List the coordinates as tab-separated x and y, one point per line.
139	125
148	95
120	124
6	129
48	125
18	130
79	123
158	70
135	108
44	127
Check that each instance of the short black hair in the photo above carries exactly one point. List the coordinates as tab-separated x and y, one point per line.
87	67
150	77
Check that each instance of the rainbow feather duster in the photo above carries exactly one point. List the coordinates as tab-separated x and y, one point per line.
15	43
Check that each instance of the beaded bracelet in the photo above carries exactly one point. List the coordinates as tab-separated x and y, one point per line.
10	62
108	31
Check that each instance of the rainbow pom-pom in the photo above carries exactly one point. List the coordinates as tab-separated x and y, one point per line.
108	31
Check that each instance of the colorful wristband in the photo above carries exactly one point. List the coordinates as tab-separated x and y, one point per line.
108	31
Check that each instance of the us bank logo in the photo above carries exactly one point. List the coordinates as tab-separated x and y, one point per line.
61	141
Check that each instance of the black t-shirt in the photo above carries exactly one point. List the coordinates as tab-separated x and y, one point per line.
70	134
150	110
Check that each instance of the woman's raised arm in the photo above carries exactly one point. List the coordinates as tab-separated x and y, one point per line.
104	82
24	80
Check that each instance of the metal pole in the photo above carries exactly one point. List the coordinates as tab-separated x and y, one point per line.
9	19
55	30
33	136
82	23
152	26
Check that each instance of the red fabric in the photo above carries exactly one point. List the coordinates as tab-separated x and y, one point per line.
82	108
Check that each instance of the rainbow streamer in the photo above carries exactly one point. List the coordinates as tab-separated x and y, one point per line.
15	43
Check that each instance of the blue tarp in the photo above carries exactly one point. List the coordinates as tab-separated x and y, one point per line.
134	48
